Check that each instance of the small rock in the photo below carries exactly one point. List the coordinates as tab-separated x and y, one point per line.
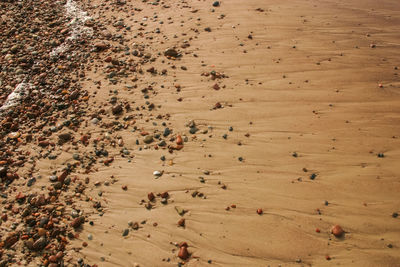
148	139
171	52
117	109
40	243
180	210
125	232
77	222
157	173
216	4
181	222
150	196
183	253
337	231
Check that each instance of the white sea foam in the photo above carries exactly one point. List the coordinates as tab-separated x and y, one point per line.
20	92
77	26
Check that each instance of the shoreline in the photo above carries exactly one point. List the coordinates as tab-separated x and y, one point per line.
200	133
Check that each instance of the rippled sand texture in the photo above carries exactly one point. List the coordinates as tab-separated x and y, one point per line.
313	90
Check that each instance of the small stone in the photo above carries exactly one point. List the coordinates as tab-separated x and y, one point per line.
327	257
125	232
100	46
41	232
116	109
64	137
193	130
135	226
180	210
157	173
77	222
166	132
40	243
337	231
148	139
11	240
150	196
216	4
53	258
14	135
183	253
181	222
259	211
171	52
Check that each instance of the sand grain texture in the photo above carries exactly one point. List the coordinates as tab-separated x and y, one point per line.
302	92
307	81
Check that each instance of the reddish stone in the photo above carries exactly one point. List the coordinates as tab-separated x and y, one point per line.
150	196
183	253
337	231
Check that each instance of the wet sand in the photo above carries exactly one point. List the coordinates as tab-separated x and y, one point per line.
304	125
307	82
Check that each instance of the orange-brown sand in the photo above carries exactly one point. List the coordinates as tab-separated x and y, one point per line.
311	88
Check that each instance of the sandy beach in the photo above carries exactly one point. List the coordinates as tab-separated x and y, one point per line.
246	129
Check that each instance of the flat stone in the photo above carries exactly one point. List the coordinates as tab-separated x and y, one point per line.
148	139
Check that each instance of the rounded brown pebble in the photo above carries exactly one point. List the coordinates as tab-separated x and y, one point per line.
41	232
327	257
150	196
53	258
77	222
183	253
337	231
181	222
84	244
259	211
59	255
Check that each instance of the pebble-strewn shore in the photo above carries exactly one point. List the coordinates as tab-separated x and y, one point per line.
197	133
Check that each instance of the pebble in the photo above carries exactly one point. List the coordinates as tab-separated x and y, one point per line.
337	231
183	252
182	222
150	196
216	4
148	139
171	52
125	232
157	173
180	210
